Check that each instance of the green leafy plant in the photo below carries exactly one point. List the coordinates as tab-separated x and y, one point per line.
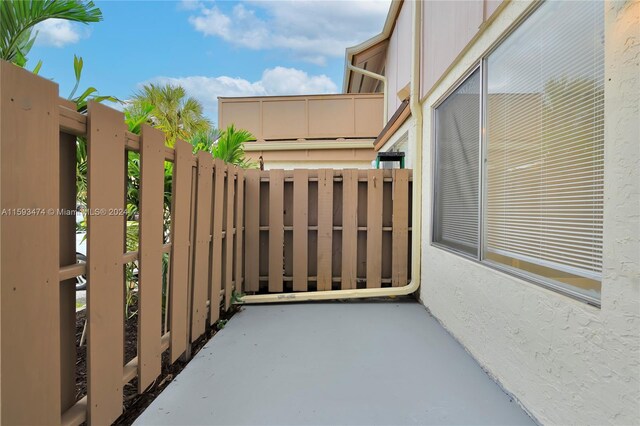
236	298
221	323
19	17
230	147
90	94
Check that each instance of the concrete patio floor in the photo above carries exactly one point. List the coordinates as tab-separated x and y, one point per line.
333	364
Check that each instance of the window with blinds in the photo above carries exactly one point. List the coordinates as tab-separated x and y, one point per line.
457	122
542	187
545	146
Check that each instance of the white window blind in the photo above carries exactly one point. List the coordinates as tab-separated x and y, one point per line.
545	136
457	122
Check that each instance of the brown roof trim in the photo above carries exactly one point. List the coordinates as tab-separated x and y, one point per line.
399	117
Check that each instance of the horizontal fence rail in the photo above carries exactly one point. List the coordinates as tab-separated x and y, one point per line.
207	232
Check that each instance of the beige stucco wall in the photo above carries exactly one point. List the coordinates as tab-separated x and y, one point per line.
565	361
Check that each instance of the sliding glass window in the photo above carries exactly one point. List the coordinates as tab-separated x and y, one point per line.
542	192
457	122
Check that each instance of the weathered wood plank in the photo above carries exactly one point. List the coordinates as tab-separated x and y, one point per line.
216	257
229	237
239	262
202	245
180	217
374	228
106	244
349	228
30	310
252	231
276	230
325	228
300	229
400	232
150	262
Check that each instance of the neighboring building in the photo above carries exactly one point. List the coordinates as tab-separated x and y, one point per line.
317	131
520	120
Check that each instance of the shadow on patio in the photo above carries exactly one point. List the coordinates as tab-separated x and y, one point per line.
333	363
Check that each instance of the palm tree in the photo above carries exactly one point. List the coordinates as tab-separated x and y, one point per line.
230	147
177	115
18	17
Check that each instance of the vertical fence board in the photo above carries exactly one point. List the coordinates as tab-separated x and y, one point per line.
180	215
202	244
252	231
300	229
276	229
375	184
349	228
239	231
30	292
105	292
216	256
67	187
150	258
325	228
399	252
229	235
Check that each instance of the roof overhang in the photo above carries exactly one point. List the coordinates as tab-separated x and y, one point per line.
379	41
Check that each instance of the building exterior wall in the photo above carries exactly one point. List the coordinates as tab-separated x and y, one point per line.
403	140
398	61
566	362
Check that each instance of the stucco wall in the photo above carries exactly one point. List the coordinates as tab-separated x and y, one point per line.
565	361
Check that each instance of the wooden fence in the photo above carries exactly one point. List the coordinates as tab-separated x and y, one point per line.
231	231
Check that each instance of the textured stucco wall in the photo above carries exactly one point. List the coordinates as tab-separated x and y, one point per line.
565	361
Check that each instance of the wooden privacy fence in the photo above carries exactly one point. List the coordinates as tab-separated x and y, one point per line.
231	231
326	229
38	269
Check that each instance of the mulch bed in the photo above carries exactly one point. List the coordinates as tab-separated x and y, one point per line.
134	403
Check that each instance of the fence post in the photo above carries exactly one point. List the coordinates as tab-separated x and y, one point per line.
105	272
150	255
29	249
180	232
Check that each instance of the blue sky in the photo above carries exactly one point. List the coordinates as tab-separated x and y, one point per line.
212	48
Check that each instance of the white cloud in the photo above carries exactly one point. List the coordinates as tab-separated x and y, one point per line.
57	32
274	81
311	30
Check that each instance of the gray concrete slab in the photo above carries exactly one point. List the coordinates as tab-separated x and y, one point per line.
333	364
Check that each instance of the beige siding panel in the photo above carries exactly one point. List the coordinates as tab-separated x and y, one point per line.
338	112
216	255
105	244
400	236
375	184
349	228
448	27
252	230
229	237
276	230
150	260
300	229
284	119
490	7
202	246
325	228
180	215
243	115
365	112
30	291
